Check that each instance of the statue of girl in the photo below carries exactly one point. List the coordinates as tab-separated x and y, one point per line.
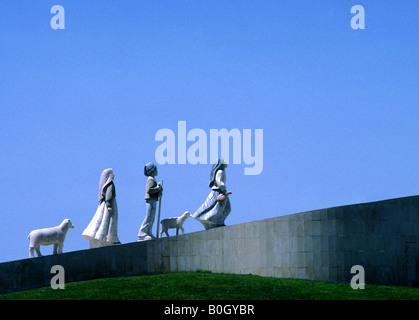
217	206
103	228
153	190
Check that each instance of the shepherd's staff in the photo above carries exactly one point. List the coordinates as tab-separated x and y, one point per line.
158	217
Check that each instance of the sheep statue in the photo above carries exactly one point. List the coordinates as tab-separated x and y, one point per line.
47	236
171	223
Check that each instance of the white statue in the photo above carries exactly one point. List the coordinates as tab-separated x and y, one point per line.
48	236
153	192
172	223
216	207
103	228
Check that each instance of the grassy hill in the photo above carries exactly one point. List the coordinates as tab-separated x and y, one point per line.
207	286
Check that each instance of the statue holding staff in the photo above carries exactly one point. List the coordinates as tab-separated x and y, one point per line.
152	193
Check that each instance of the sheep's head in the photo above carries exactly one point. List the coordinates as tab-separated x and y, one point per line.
69	224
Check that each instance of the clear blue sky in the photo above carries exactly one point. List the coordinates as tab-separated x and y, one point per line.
339	107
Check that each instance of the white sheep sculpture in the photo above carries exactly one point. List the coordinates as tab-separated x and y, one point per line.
172	223
55	235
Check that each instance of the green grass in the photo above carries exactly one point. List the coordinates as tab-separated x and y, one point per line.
208	286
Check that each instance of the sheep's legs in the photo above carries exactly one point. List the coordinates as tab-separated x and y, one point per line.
165	231
32	250
38	251
58	246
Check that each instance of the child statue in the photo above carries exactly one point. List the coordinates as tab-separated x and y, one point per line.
152	193
103	228
217	206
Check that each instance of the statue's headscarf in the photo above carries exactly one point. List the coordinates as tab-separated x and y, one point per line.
106	179
218	165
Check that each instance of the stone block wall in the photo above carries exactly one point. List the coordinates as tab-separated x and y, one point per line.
122	260
321	244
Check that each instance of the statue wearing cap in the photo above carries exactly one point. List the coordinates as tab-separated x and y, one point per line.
152	192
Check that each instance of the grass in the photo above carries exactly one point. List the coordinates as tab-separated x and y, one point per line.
212	286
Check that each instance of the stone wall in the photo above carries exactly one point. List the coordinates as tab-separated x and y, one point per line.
320	245
122	260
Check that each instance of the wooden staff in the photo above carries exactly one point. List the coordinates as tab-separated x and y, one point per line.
158	217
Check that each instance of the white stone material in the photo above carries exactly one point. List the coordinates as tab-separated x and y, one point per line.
172	223
55	235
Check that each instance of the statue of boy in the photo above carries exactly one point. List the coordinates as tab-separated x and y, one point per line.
153	190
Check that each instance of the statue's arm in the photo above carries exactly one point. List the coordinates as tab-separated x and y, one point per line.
152	186
219	180
109	195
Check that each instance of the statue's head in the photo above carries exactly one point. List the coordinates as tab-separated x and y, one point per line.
150	169
223	163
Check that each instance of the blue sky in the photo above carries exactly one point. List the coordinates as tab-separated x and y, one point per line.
339	107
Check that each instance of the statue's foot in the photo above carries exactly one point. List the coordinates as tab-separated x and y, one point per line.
145	238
